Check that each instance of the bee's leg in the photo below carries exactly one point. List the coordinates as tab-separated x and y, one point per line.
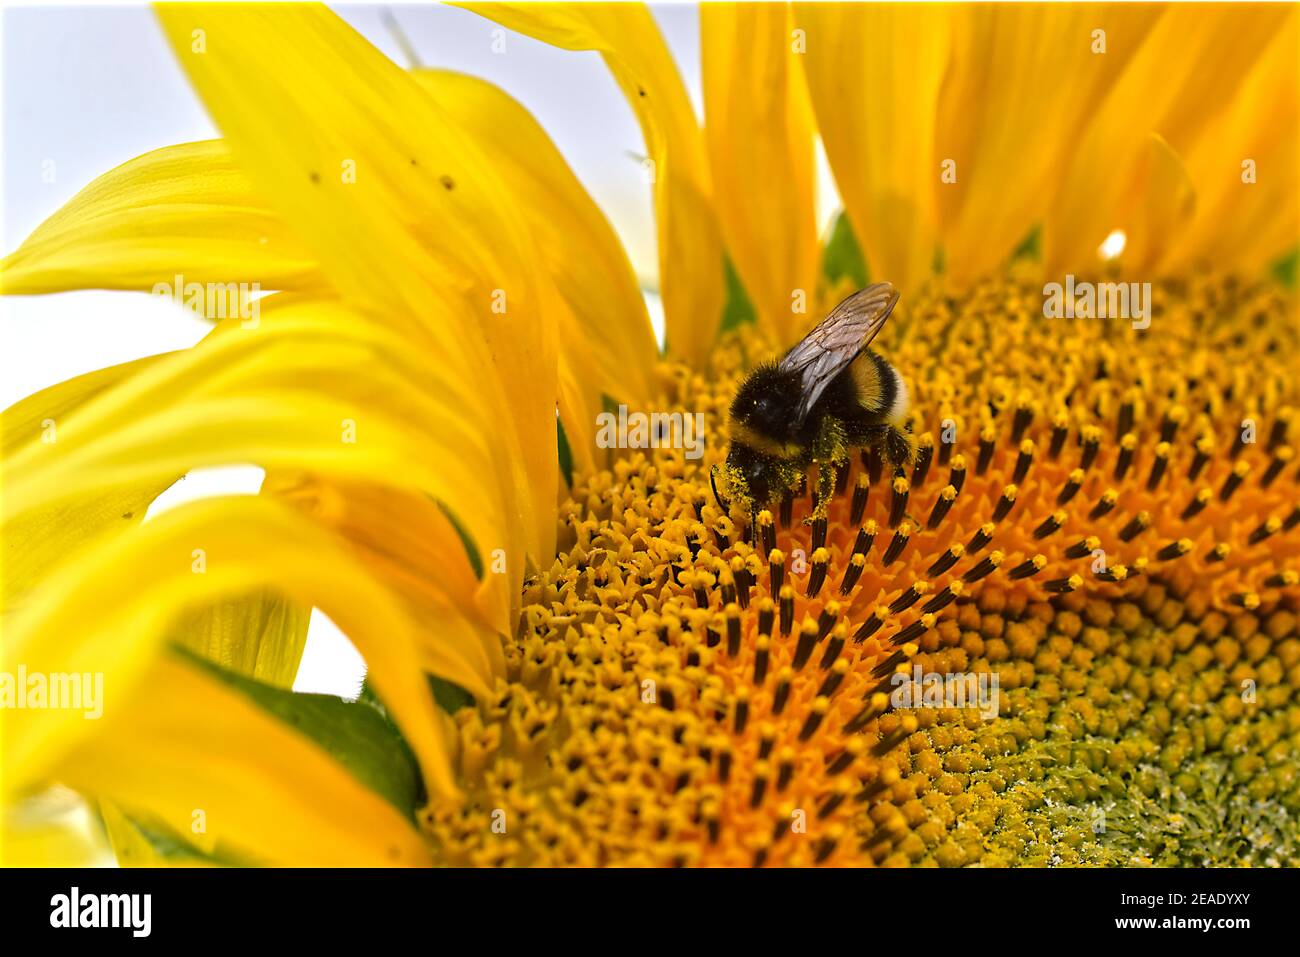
825	488
830	449
897	447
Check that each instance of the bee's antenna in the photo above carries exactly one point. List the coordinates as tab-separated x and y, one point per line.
713	480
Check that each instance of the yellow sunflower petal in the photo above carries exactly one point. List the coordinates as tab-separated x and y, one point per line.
404	215
261	635
168	421
109	611
183	209
39	540
310	387
407	540
577	244
759	128
608	346
1166	89
690	245
1161	206
1020	77
874	74
1243	168
577	403
189	750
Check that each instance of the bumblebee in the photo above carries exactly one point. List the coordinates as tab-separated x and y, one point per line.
830	394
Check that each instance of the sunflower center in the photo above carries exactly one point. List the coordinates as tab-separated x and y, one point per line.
1066	634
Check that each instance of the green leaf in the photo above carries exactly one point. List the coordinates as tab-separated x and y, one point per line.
356	734
843	256
737	310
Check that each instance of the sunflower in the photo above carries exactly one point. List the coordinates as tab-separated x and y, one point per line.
575	654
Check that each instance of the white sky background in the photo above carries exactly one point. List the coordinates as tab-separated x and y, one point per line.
90	87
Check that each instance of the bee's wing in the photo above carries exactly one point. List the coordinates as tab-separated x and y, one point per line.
837	340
